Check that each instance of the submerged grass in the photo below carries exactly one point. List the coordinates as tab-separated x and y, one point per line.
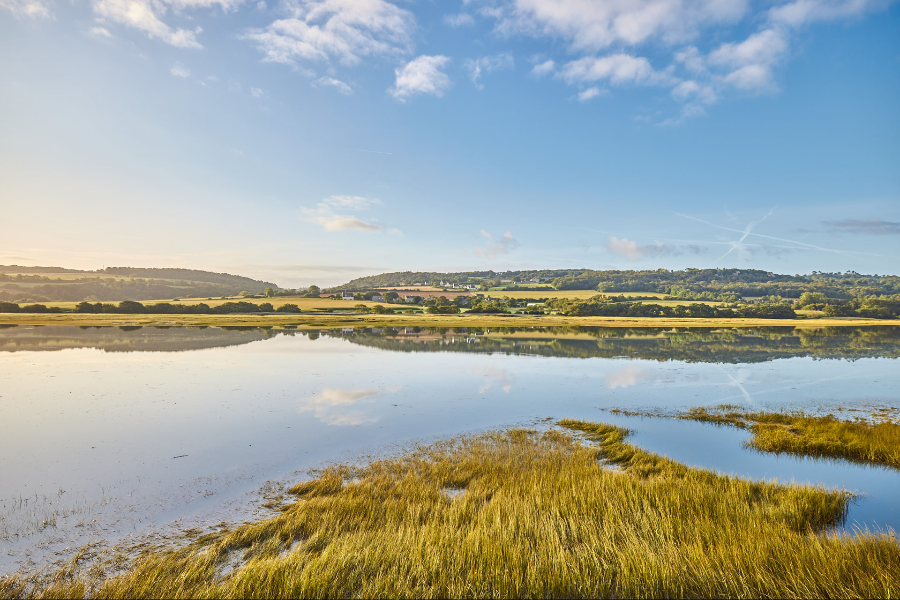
542	514
858	440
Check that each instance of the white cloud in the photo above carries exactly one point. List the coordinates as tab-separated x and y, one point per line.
100	32
330	213
336	30
691	58
486	64
802	12
179	70
692	90
144	15
589	93
421	75
460	20
351	202
492	249
257	92
26	8
764	47
616	68
335	83
594	25
543	68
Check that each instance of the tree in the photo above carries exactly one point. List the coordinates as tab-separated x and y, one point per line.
313	291
807	298
362	308
269	293
266	307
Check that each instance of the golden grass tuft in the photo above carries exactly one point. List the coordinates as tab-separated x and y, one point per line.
810	435
542	515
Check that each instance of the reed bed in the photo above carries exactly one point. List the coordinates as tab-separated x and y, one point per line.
858	440
519	514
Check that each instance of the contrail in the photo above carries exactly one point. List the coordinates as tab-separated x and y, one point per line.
747	230
769	237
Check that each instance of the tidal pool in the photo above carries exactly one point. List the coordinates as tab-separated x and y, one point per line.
111	433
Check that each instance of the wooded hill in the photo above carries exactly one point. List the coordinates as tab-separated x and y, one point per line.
690	284
54	284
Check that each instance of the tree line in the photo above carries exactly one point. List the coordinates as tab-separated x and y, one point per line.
131	307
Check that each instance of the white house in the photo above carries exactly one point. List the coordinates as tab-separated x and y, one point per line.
348	296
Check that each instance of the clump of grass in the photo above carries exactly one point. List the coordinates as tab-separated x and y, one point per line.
858	440
541	515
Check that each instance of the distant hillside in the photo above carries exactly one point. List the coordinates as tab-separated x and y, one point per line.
55	284
691	284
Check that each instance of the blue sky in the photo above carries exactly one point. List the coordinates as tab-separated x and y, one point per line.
311	141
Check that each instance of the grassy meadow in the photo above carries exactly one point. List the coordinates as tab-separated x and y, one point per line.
873	441
514	514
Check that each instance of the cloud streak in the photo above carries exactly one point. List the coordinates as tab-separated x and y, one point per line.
866	226
634	251
332	214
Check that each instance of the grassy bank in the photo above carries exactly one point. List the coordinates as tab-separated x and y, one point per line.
519	514
323	320
860	440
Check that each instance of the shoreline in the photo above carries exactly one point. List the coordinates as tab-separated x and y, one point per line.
329	320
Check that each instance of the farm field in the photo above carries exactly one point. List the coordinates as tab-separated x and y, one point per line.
415	320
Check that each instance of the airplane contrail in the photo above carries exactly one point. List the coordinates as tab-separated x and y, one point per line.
769	237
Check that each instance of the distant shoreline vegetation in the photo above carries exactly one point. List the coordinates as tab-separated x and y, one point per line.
130	307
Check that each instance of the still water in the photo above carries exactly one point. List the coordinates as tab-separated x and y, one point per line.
116	433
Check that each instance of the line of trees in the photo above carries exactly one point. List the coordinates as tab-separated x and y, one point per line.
600	307
131	307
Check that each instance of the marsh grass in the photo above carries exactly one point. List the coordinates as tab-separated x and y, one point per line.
542	515
861	440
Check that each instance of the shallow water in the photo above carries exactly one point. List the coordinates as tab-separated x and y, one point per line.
111	432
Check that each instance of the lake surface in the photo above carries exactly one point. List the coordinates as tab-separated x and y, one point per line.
118	433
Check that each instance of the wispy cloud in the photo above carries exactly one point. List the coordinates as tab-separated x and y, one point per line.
334	83
459	20
332	214
543	68
340	31
257	92
491	249
486	64
26	8
865	226
179	70
145	16
590	93
634	251
422	75
101	32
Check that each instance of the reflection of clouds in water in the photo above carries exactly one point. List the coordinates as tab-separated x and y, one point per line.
493	375
336	407
629	376
742	376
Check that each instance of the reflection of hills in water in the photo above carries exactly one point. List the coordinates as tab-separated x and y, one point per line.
692	345
746	345
124	339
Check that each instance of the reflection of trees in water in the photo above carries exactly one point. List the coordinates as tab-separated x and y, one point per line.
744	345
691	345
126	338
